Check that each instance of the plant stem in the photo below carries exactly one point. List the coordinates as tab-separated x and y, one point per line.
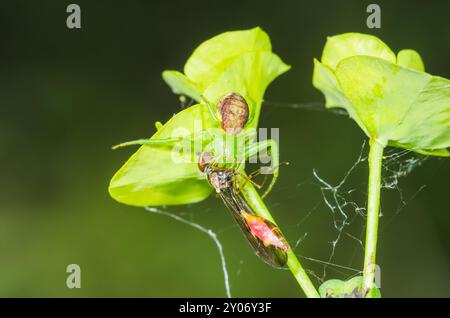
294	265
373	207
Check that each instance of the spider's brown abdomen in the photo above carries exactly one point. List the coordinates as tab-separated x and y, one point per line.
233	112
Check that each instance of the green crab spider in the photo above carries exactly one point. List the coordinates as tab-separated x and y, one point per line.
219	149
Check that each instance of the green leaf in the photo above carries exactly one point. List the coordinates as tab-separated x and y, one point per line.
397	105
212	57
390	98
345	45
335	288
238	61
232	62
150	177
248	75
374	293
181	85
325	80
410	59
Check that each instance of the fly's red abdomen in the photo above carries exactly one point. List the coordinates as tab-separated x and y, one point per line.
266	231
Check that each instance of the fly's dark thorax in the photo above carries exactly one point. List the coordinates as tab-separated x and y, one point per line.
220	180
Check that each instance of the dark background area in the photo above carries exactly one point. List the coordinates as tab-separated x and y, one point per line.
67	96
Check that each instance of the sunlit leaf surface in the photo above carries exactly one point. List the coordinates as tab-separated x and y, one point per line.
335	288
239	62
151	177
391	98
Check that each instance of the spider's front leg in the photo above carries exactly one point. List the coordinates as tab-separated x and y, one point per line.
150	142
255	148
203	135
211	109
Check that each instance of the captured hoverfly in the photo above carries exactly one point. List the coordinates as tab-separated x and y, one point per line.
264	236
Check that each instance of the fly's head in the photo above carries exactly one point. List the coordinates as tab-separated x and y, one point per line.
204	162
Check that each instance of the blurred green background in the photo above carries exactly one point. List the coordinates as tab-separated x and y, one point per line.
66	96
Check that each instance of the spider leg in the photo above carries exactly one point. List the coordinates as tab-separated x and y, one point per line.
255	148
251	117
210	108
166	141
156	142
248	178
